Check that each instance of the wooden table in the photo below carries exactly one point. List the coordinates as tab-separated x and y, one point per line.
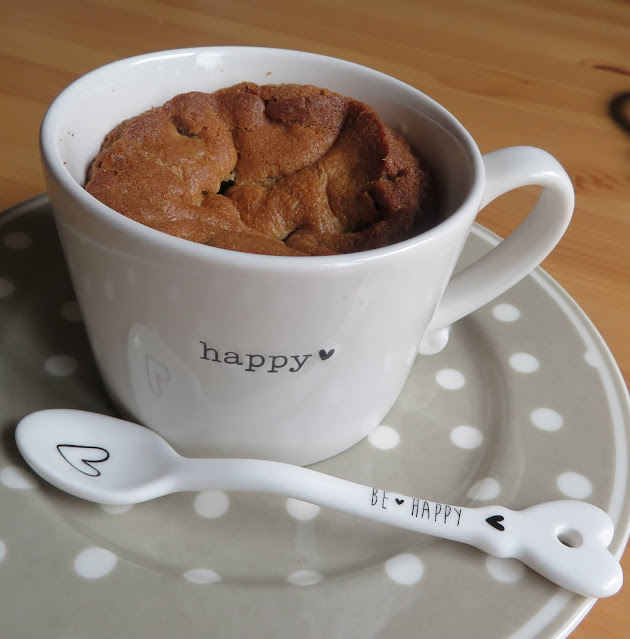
539	72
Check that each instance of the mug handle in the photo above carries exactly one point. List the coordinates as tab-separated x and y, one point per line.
526	247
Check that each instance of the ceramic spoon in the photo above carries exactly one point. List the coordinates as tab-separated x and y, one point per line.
111	461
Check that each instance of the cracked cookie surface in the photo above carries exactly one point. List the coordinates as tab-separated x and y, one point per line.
273	169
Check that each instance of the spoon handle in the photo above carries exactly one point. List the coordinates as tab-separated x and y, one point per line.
565	541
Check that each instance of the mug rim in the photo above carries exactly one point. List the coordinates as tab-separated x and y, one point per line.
164	241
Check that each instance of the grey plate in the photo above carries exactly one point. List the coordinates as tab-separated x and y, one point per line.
524	404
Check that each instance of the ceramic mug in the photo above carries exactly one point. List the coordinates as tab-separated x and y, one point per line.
286	358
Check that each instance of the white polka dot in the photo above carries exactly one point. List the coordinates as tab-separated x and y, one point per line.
211	504
434	342
302	510
405	569
132	278
17	240
450	379
6	287
110	290
112	509
546	419
574	485
70	312
202	576
304	578
61	365
506	313
384	437
17	478
507	571
485	489
466	437
524	363
94	563
3	550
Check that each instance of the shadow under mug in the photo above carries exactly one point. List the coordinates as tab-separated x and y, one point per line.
293	359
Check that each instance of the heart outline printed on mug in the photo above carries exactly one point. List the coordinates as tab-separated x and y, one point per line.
286	358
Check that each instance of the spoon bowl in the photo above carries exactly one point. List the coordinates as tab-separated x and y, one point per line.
140	464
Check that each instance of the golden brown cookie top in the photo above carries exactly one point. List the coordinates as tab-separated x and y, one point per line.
273	169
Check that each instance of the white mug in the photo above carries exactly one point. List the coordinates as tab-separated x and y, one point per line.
293	359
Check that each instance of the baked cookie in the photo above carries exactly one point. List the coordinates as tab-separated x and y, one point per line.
273	169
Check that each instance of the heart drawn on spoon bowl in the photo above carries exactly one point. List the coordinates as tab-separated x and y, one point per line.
82	457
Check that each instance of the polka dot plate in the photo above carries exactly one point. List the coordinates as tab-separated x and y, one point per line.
521	403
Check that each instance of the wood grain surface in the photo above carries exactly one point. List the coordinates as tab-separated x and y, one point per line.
538	72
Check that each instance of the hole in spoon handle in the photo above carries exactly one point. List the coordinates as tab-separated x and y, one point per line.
565	541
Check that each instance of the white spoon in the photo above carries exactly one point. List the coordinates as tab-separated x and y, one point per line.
111	461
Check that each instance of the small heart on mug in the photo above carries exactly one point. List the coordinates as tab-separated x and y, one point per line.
323	355
400	501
